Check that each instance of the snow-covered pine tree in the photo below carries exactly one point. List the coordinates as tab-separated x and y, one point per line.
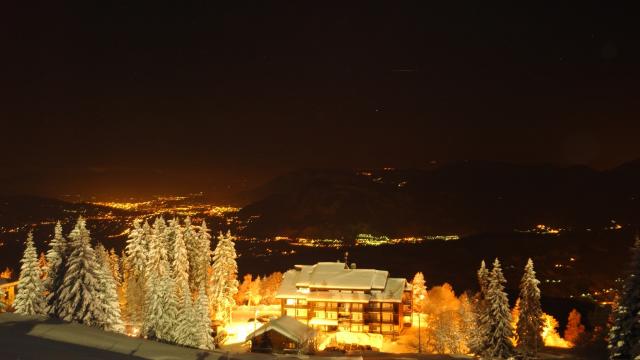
180	264
467	322
190	237
159	230
156	289
168	321
30	299
478	341
57	256
500	329
624	335
204	244
202	334
112	319
224	283
530	321
80	293
419	292
183	330
136	261
173	230
114	266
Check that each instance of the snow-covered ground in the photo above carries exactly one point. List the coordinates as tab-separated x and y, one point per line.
24	337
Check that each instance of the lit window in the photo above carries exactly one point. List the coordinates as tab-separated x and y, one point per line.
291	301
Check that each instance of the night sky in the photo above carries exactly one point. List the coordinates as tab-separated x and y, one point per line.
125	99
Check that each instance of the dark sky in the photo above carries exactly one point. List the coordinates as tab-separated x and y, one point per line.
125	99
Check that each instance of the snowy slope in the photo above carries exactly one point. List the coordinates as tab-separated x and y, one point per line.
34	338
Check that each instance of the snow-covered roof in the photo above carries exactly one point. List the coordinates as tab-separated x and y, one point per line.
287	326
392	292
311	282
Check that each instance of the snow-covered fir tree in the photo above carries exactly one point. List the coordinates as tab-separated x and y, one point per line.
467	322
112	318
624	335
57	256
419	291
30	299
159	230
190	237
172	232
204	244
180	264
224	283
202	327
479	338
158	292
499	343
81	290
136	261
530	319
184	327
114	266
167	325
137	249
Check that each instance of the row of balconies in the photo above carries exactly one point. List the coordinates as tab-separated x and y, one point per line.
366	319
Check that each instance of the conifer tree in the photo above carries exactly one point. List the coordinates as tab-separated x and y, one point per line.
202	334
168	321
173	230
190	238
80	293
180	264
478	342
157	269
419	292
114	267
624	335
159	230
112	318
530	321
574	330
204	244
30	299
57	257
224	283
136	261
184	327
499	343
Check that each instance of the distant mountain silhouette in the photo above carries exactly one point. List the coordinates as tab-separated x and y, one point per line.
458	198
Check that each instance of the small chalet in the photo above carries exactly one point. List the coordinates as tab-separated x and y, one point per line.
284	334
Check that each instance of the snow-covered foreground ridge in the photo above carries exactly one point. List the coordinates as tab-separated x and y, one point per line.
28	337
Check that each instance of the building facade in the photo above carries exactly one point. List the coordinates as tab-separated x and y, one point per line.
334	297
